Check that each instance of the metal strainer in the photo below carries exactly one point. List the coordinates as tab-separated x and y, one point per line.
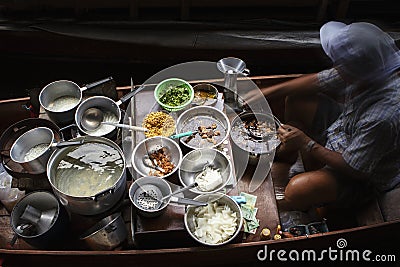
148	197
151	195
146	193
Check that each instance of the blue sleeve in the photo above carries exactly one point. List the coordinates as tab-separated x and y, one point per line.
330	81
370	143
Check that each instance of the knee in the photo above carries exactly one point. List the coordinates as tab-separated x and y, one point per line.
311	188
297	192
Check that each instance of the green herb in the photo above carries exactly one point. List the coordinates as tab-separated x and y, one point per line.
176	95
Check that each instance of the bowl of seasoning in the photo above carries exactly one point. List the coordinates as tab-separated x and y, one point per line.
159	123
156	156
205	94
173	94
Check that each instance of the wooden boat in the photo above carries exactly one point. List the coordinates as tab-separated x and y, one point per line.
168	243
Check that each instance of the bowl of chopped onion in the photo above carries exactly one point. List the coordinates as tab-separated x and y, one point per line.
216	224
209	168
173	94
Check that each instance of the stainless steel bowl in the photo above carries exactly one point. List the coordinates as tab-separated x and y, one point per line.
149	145
205	88
222	199
194	117
142	187
193	164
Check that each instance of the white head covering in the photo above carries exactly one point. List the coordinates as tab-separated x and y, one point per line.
361	50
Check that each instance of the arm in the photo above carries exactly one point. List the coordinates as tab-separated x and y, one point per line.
303	85
334	160
296	139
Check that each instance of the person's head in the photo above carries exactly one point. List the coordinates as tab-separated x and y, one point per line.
360	51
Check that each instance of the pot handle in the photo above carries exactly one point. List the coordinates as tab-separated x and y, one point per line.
110	228
129	95
103	193
246	72
94	84
69	143
70	127
63	201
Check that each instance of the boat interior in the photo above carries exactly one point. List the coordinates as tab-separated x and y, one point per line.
44	41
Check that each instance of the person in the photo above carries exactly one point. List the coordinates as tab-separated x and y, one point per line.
343	123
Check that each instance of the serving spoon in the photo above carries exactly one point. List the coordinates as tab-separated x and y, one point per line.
92	118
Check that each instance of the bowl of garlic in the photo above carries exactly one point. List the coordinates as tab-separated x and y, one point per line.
209	168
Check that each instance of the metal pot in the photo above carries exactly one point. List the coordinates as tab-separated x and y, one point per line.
33	149
83	163
107	234
49	97
246	143
11	134
109	108
46	232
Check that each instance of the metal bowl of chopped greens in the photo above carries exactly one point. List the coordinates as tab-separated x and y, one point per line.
173	94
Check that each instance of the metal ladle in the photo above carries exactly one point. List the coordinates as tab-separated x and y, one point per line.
92	118
179	191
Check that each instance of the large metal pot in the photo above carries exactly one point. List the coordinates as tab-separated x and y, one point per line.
63	113
78	176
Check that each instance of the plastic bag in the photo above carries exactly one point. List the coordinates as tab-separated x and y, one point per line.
8	195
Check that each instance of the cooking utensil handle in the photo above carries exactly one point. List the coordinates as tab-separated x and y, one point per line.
125	126
129	95
188	201
179	191
69	143
176	136
94	84
13	240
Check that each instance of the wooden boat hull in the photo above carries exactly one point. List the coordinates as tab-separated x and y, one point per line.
376	237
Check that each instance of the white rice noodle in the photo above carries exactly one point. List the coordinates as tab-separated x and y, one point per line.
215	223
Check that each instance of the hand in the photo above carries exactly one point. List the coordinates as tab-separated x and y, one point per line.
292	137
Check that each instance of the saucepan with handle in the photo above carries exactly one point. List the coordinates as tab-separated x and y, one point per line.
102	109
33	149
61	98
